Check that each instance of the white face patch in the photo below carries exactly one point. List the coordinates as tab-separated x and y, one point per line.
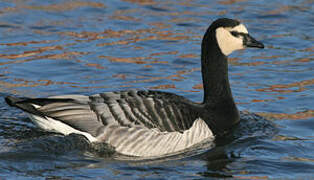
227	42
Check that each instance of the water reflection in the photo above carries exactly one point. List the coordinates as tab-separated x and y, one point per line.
299	115
86	47
63	6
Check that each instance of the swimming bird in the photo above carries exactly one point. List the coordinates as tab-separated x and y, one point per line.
152	123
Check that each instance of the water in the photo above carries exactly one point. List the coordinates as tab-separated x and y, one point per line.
87	47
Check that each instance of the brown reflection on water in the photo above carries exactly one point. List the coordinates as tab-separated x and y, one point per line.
27	43
132	36
198	86
113	37
164	86
164	53
56	7
97	66
136	60
184	20
125	18
29	83
89	36
291	138
191	55
146	35
160	25
267	57
89	87
285	8
33	55
300	159
29	53
299	115
51	52
270	60
142	2
246	177
177	76
285	88
229	2
310	49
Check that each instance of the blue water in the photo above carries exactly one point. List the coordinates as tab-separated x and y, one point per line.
86	47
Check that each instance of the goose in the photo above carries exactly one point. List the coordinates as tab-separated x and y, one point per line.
147	123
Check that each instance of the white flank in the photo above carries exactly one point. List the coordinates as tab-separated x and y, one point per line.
144	142
49	124
136	140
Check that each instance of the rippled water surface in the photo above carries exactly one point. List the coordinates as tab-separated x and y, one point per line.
87	47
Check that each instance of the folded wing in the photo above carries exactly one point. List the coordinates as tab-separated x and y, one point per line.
91	114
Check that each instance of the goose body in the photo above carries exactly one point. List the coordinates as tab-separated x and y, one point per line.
151	123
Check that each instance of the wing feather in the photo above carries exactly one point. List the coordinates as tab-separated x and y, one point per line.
149	109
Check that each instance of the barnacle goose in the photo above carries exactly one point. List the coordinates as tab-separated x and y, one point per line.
152	123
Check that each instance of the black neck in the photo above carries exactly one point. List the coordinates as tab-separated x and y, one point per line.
214	72
217	93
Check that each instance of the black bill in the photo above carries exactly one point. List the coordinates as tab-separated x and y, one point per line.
249	41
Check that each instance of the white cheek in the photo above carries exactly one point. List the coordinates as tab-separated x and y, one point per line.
227	42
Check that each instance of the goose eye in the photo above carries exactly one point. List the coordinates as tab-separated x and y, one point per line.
236	34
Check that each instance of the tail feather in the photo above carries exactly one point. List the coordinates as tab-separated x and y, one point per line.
22	103
63	114
10	100
28	104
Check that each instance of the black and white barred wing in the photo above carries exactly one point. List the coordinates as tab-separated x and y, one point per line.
148	123
140	123
150	109
144	142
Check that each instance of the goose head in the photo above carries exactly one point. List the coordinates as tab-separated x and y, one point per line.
231	35
222	38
